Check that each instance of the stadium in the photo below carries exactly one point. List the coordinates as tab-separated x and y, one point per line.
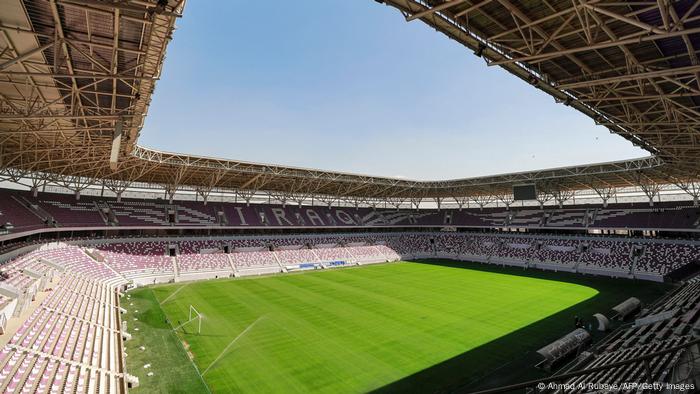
129	269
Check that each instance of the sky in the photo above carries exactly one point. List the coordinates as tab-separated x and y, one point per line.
351	86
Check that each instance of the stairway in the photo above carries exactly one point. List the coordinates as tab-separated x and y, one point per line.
176	268
274	254
233	266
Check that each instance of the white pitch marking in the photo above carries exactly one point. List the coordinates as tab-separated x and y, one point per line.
175	292
232	342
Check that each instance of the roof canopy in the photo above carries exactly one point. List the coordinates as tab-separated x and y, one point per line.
77	74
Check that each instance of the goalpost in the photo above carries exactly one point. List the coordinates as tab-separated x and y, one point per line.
194	315
198	316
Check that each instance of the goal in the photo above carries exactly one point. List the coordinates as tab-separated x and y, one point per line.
194	316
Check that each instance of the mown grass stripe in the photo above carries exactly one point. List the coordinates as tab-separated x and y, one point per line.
384	326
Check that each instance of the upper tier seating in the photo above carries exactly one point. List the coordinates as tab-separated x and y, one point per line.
66	211
159	213
12	211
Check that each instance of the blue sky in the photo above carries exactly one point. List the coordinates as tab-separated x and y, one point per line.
351	86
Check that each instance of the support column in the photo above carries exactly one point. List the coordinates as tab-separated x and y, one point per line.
605	193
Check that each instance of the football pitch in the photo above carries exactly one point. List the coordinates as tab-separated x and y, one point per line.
339	331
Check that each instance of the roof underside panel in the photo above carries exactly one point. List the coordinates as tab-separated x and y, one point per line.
73	71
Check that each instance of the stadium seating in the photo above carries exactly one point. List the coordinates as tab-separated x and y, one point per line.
72	341
587	254
364	252
681	311
203	262
410	244
333	253
15	213
659	258
613	256
66	211
609	255
198	246
87	212
600	255
137	258
559	251
138	213
296	256
255	262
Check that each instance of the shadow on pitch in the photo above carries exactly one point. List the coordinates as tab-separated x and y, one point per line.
511	358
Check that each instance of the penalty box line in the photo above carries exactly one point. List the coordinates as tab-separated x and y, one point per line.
191	320
175	292
232	342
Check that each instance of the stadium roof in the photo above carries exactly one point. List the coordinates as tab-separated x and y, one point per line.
76	79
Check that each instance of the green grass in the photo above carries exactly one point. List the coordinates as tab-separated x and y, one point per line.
172	370
386	327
